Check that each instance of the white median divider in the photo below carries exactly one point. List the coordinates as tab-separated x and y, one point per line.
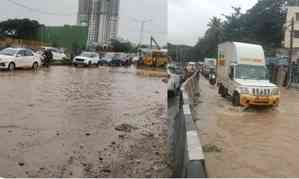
194	161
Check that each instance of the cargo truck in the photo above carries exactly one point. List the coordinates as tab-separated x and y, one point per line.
242	74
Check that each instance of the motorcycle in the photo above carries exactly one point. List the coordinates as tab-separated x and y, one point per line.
212	79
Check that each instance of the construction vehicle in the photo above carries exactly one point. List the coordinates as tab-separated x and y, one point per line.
153	57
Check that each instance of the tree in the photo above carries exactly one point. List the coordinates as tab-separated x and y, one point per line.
121	46
262	24
20	28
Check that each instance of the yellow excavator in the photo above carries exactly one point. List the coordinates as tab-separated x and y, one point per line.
153	57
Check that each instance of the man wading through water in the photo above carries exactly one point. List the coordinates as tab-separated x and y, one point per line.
48	56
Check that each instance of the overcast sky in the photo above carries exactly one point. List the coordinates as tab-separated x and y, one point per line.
156	10
187	19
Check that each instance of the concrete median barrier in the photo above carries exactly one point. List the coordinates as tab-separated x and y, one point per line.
187	150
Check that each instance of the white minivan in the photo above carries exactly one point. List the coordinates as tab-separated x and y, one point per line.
12	58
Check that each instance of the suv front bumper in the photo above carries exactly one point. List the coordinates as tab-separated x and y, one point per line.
249	100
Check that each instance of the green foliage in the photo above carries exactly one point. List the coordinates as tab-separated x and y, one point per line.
20	28
262	24
121	46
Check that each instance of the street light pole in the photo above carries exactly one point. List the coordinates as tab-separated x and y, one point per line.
291	51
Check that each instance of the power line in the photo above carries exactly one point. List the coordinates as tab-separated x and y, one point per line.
37	10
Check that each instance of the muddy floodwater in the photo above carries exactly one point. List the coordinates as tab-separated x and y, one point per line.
83	122
255	142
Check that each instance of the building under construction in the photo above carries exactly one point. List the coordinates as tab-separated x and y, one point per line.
102	18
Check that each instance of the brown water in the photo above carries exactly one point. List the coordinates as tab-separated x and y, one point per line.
60	122
253	142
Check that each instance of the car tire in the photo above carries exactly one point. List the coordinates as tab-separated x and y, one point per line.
75	65
35	66
236	99
11	66
89	64
220	89
170	94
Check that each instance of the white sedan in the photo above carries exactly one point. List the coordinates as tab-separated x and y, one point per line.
12	58
87	59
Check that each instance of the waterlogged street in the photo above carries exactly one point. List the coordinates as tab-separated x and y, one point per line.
248	142
83	122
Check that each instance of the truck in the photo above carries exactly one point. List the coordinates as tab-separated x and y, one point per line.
242	74
209	66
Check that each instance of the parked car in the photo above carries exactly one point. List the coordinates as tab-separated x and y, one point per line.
175	78
125	59
116	60
87	59
12	58
57	54
107	58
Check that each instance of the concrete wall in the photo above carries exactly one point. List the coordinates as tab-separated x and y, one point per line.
187	154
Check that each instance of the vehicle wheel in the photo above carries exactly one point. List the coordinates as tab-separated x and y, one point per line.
89	64
35	66
11	66
220	89
236	99
75	65
170	94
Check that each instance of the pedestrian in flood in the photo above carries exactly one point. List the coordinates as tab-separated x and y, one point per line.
48	56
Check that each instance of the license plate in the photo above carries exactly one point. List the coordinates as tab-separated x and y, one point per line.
261	99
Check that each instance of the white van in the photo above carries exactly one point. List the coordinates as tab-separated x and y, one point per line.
242	74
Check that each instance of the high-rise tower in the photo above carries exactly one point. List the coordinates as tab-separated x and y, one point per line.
84	12
102	17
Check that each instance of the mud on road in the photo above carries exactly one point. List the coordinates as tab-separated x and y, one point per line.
80	122
255	142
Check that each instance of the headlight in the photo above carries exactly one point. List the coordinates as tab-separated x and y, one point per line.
275	91
244	90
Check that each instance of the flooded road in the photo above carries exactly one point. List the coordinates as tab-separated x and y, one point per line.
80	122
248	142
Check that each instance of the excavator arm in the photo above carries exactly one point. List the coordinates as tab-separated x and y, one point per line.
156	43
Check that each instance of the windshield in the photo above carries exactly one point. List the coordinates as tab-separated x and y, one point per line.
252	72
90	55
8	51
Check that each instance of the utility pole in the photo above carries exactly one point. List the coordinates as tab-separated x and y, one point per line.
289	75
142	24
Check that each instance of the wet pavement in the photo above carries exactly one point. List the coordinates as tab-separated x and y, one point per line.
83	122
254	142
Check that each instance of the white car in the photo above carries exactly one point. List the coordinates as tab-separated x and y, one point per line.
12	58
107	58
175	76
87	59
57	54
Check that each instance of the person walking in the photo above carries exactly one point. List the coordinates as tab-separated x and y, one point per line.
48	56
